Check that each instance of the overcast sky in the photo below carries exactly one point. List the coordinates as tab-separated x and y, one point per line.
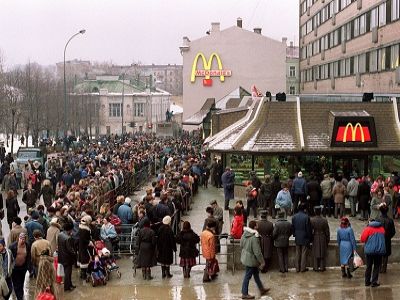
123	31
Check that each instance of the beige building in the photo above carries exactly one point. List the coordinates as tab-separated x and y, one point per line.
223	60
349	46
113	98
292	70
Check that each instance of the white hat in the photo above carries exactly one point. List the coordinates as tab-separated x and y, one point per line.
54	221
128	200
166	220
97	173
105	251
86	220
300	174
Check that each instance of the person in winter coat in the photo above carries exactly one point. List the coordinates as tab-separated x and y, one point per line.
265	192
12	207
208	247
218	214
276	186
108	234
352	192
46	276
147	244
339	192
321	237
390	231
85	241
237	224
47	192
373	236
188	250
302	232
32	225
16	230
299	190
364	197
347	245
281	234
265	229
377	200
314	194
166	246
120	201
326	189
21	252
66	254
228	183
52	234
29	197
284	200
252	258
125	212
6	263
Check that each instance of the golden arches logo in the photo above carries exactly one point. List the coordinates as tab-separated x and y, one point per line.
207	64
353	132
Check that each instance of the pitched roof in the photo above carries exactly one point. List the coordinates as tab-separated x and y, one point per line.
198	117
112	86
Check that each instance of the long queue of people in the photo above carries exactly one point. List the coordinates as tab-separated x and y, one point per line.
71	211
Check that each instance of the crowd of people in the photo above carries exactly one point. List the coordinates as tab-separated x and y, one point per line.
80	200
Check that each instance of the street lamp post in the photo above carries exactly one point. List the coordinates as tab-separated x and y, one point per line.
65	84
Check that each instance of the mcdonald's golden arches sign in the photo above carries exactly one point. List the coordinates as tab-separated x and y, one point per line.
207	72
351	132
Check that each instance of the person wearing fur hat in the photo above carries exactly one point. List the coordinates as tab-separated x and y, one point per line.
166	246
85	241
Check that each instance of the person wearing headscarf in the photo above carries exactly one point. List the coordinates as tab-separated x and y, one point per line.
46	275
166	246
188	240
347	245
21	252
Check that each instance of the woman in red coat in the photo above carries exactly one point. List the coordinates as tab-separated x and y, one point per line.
237	224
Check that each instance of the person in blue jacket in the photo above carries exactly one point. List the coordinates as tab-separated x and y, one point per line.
299	190
347	245
125	212
284	200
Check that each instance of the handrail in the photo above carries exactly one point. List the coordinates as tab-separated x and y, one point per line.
299	124
396	112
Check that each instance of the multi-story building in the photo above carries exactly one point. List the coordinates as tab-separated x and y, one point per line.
349	46
121	106
292	70
223	60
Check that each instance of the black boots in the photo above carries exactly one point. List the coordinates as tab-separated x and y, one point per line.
165	270
144	273
349	273
83	274
343	272
186	272
148	274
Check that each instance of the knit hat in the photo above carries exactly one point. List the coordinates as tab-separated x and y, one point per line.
166	220
300	174
2	241
128	200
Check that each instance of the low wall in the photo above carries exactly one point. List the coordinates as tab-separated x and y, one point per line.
331	261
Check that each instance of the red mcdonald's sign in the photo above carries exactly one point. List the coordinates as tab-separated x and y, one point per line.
353	133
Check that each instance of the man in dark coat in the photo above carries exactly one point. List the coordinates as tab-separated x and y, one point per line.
66	254
314	194
364	197
299	190
390	231
30	197
301	227
147	243
321	237
228	182
265	192
282	232
265	230
276	186
166	246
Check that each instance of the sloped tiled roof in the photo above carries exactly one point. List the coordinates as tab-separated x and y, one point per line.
198	117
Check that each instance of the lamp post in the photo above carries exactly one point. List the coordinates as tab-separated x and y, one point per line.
82	31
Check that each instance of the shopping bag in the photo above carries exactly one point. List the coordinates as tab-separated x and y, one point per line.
46	295
357	260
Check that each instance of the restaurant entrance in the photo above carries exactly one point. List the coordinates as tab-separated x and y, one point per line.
350	165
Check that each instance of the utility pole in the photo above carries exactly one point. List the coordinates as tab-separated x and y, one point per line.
122	106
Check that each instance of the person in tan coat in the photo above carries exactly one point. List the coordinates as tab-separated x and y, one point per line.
15	231
339	192
39	246
52	234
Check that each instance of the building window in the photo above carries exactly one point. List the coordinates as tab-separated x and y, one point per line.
292	90
382	14
395	9
373	61
374	17
138	109
394	56
361	63
292	71
114	110
363	27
